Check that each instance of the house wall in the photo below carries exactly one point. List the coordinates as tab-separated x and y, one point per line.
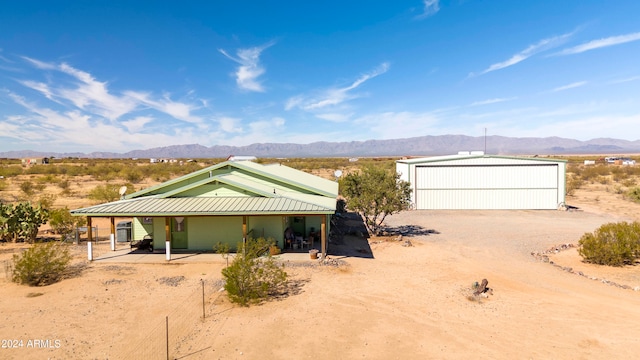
207	231
159	234
139	230
267	227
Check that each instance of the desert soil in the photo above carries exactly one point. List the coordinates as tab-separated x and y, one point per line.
377	298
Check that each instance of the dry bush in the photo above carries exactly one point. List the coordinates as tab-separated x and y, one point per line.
613	244
42	264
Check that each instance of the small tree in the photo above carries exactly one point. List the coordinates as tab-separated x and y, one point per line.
107	192
63	223
375	193
42	264
253	275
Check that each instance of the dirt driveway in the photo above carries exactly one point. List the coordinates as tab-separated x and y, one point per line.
386	300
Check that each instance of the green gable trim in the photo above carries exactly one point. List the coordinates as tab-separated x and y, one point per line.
217	179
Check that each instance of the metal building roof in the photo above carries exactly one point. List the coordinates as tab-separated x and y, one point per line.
154	206
448	158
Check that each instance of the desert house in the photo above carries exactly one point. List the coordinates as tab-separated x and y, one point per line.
35	161
475	181
227	203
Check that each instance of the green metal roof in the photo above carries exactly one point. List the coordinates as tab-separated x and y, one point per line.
278	173
270	189
154	206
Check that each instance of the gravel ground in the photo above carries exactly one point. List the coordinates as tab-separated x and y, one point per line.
504	232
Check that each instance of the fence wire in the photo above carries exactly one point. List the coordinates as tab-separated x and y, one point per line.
164	337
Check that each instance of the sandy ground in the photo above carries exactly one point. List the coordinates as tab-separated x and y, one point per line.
377	300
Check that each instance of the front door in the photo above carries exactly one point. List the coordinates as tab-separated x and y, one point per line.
179	233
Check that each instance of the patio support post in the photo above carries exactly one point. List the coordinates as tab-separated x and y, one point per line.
323	237
244	229
89	240
112	237
167	244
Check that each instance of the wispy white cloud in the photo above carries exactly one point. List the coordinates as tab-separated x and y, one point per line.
179	110
85	92
335	117
82	111
629	79
39	86
76	130
261	131
333	96
396	125
430	7
540	46
570	86
137	124
40	64
250	68
600	43
230	125
490	101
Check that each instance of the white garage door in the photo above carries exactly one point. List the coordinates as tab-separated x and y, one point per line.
487	186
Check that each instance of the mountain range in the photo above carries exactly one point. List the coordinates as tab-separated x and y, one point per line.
415	146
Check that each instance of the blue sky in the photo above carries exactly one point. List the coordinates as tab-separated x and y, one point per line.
121	75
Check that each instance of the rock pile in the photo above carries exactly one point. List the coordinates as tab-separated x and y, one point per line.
544	257
171	281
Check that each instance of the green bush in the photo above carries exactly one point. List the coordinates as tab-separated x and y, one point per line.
254	275
42	264
105	193
613	244
27	188
573	184
634	194
63	223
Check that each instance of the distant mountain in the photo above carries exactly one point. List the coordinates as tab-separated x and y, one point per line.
417	146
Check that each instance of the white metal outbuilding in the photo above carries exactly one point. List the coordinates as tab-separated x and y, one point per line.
477	181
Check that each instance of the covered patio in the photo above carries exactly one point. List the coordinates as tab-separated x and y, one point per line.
225	205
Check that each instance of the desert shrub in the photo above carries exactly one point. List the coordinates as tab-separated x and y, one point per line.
42	264
63	223
573	184
613	244
45	179
629	182
132	175
27	188
634	194
11	171
107	192
65	185
591	173
254	275
47	200
222	249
